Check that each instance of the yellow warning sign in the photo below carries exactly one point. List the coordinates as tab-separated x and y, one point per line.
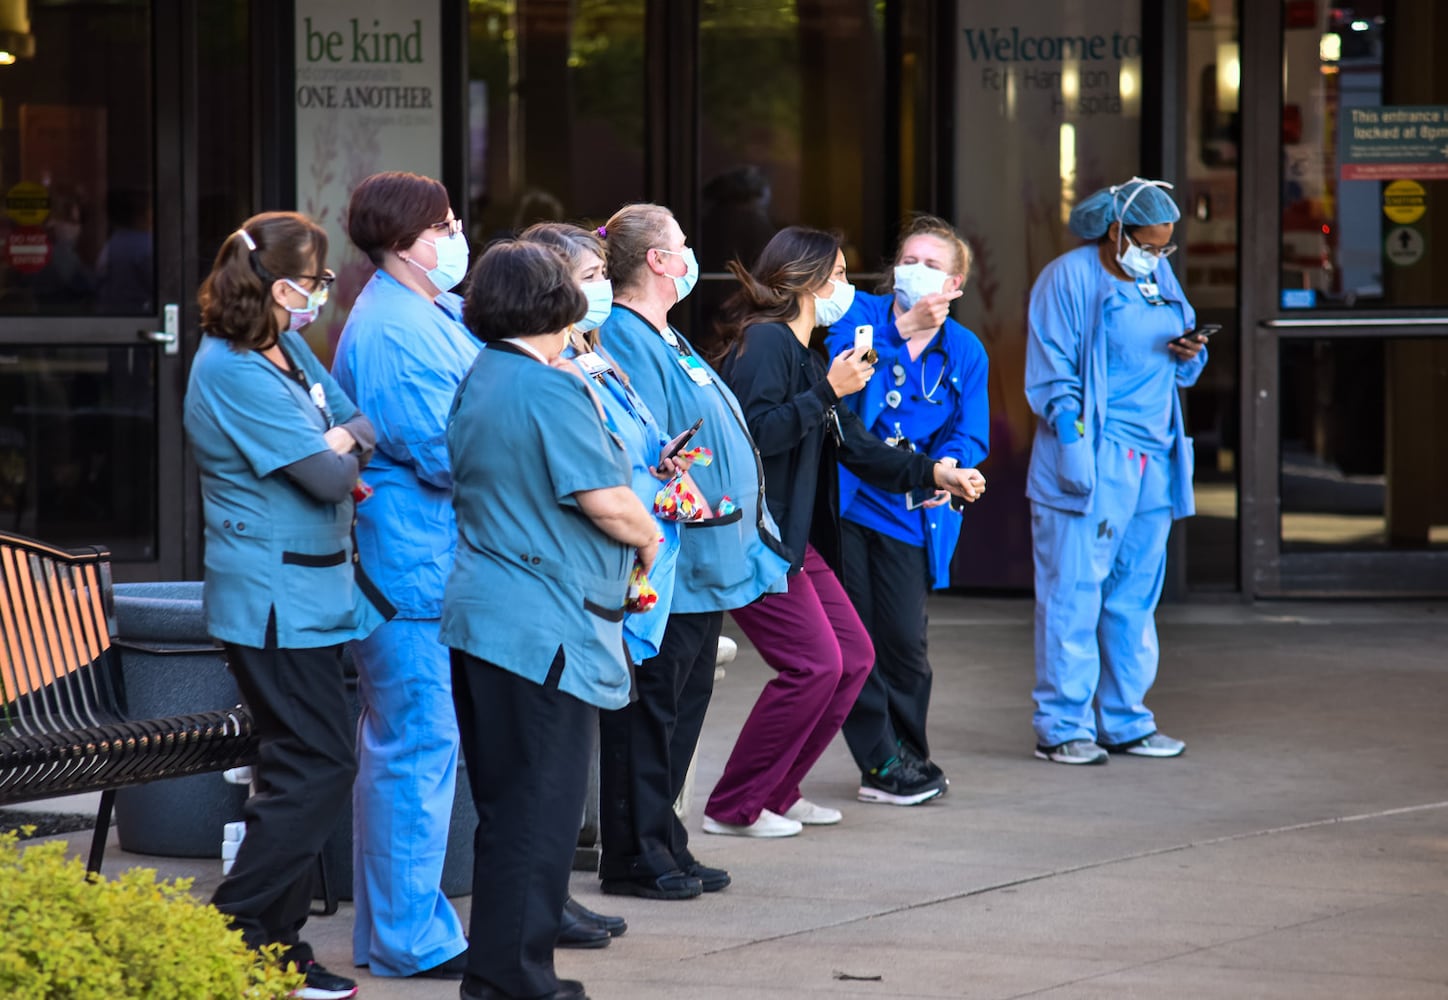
1404	202
27	203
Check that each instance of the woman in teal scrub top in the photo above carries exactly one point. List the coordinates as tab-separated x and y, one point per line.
279	446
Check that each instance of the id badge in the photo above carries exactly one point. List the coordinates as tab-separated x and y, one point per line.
592	363
1150	292
695	369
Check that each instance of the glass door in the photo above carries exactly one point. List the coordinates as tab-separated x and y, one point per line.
1349	370
91	283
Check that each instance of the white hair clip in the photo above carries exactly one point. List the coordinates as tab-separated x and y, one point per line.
246	238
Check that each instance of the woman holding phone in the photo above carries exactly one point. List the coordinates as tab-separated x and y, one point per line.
1111	341
810	635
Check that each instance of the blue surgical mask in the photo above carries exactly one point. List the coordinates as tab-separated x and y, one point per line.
684	283
452	262
830	311
1136	261
600	303
915	281
316	299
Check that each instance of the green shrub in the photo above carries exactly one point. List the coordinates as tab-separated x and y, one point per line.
67	938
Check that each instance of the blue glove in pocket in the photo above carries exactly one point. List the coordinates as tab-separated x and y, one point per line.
1076	469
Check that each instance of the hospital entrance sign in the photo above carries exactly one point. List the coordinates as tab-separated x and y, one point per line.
1393	142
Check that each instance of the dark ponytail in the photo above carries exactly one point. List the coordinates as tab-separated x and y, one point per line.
235	298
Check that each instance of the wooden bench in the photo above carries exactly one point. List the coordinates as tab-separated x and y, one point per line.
63	723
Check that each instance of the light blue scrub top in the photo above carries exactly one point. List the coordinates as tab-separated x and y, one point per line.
643	438
957	427
1068	372
271	546
1140	371
728	561
533	575
401	359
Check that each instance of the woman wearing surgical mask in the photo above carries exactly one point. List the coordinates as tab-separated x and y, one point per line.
728	557
278	445
928	394
810	635
402	355
1110	344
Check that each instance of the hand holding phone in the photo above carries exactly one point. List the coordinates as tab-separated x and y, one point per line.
677	444
1204	331
865	344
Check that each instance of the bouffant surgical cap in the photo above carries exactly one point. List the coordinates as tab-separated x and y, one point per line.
1138	202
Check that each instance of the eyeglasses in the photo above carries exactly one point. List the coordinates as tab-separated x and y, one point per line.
324	281
1160	252
447	227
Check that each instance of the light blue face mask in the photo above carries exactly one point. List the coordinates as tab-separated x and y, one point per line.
684	283
830	311
600	303
452	262
1133	260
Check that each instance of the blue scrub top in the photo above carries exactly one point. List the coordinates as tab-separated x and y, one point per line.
1068	373
943	407
401	358
728	561
533	575
628	417
1140	371
270	546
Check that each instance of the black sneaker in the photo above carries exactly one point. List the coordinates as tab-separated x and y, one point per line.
925	765
324	985
898	782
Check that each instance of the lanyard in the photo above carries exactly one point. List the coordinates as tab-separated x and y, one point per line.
314	390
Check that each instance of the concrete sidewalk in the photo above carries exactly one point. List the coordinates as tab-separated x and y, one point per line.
1299	849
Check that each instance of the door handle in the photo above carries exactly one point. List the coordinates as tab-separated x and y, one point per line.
170	337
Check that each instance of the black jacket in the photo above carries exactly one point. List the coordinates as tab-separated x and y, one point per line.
790	408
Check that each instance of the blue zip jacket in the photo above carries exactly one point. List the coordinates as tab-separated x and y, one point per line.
1066	376
965	434
726	561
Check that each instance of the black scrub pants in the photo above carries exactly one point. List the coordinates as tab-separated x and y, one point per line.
526	747
888	581
304	778
646	748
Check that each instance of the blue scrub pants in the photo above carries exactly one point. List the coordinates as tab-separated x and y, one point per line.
407	755
1098	580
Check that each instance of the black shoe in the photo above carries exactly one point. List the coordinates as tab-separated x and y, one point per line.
669	885
712	879
568	989
924	765
576	933
453	968
614	925
324	985
898	782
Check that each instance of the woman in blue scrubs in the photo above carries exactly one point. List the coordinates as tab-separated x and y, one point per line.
928	394
549	529
1110	344
278	446
402	355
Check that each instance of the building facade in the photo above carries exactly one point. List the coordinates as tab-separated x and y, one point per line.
1308	143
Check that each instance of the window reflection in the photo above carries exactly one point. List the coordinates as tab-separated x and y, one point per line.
77	436
76	236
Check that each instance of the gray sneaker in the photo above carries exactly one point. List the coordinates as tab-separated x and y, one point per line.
1073	752
1151	745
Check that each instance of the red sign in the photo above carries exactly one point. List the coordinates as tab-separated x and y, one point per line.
27	249
1394	171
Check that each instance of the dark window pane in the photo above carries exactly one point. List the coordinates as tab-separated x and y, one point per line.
76	237
77	436
1364	425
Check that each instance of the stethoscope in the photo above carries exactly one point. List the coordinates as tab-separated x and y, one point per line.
893	398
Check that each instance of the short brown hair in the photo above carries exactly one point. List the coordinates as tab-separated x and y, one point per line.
931	225
521	289
388	211
235	298
633	231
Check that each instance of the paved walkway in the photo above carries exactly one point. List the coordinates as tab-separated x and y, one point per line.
1299	849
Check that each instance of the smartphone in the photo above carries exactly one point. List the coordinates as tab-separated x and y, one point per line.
677	445
1205	330
916	499
865	344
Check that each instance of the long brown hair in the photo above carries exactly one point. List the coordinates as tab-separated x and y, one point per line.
236	300
796	259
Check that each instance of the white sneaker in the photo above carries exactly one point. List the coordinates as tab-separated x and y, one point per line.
767	825
728	649
806	812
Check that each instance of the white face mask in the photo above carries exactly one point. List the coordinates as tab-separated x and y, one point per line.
684	283
452	262
830	311
1135	261
600	303
915	281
